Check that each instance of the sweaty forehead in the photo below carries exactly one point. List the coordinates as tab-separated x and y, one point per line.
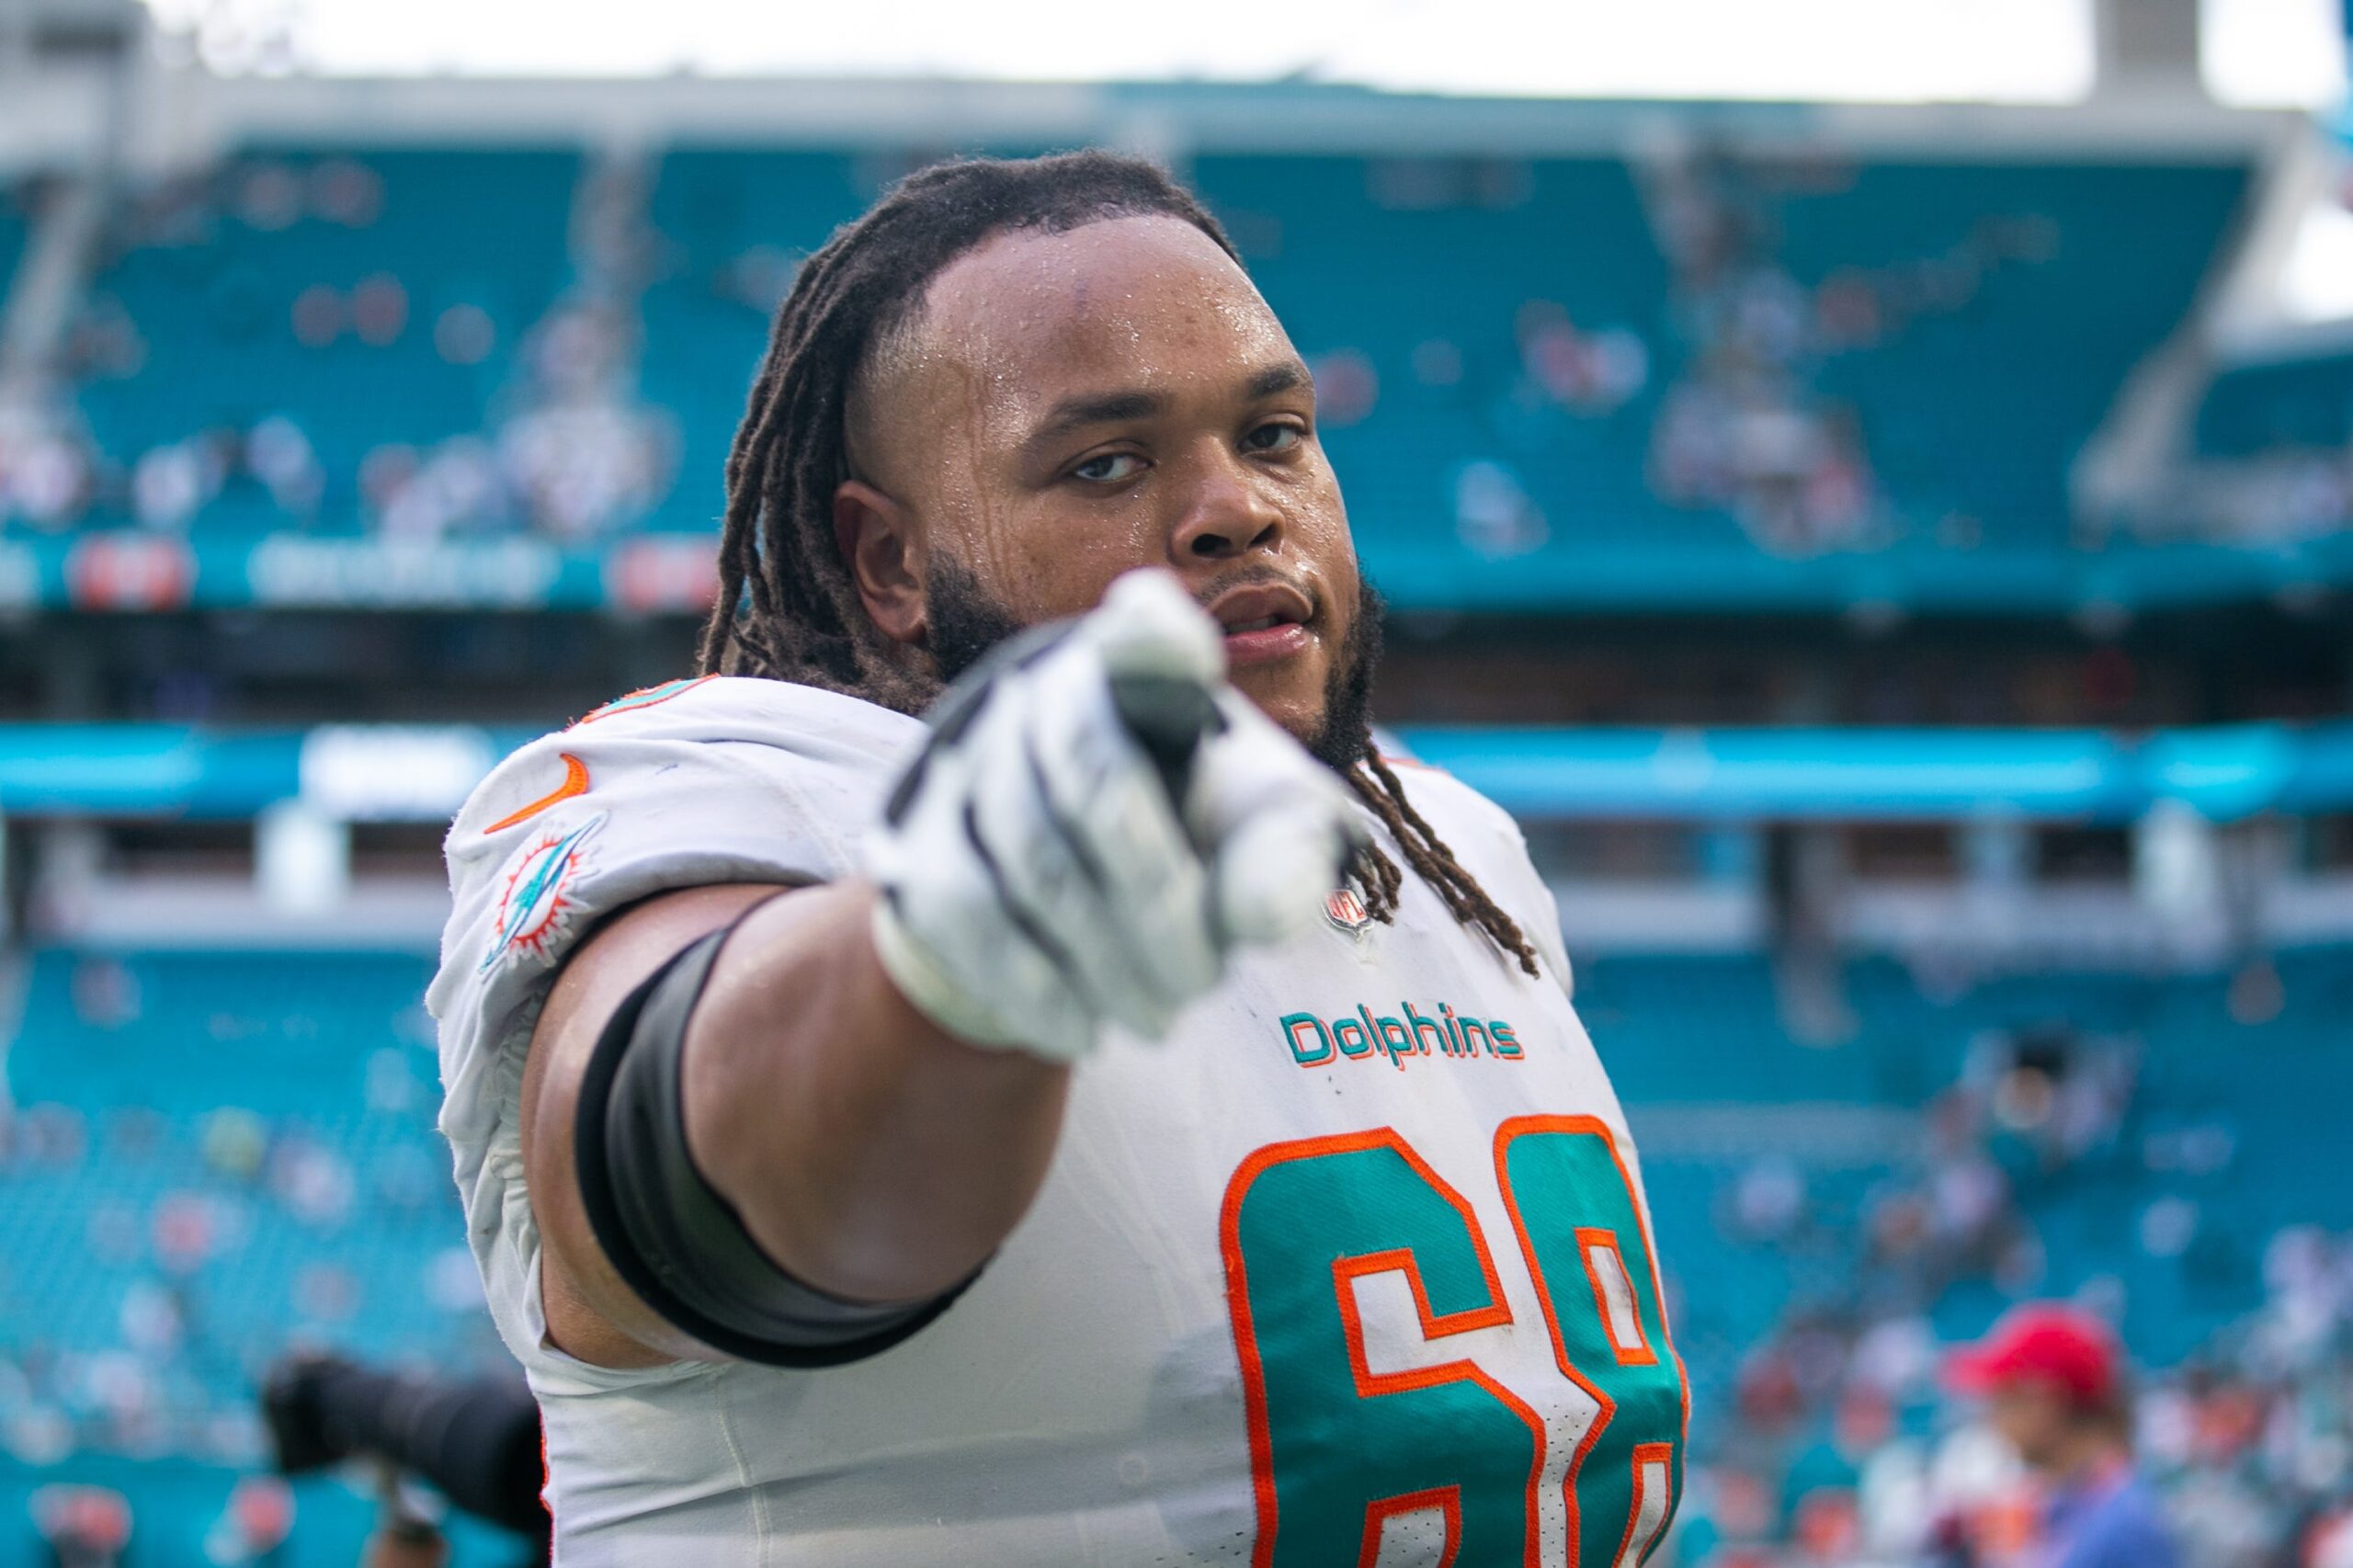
1126	304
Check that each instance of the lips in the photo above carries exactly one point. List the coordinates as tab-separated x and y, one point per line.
1260	607
1262	622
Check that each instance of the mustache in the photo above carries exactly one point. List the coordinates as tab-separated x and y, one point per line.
1258	575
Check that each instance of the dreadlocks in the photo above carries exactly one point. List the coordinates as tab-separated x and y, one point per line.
787	608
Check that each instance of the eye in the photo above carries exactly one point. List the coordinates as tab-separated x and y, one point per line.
1276	436
1109	468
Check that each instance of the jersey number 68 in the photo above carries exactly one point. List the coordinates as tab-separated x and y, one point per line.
1393	1401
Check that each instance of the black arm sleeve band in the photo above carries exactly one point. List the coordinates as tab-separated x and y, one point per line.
670	1236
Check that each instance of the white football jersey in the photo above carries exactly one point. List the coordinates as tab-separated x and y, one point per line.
1354	1267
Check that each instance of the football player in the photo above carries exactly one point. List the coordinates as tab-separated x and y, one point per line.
999	1068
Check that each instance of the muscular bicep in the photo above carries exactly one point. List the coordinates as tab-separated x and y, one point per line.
591	1314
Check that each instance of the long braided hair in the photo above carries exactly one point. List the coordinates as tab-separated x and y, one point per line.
787	608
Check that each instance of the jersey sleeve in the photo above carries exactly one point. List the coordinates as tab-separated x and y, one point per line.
720	781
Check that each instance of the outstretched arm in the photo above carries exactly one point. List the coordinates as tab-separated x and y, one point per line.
872	1154
870	1078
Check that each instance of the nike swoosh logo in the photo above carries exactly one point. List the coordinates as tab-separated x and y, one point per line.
576	782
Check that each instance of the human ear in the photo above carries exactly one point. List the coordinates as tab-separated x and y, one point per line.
878	541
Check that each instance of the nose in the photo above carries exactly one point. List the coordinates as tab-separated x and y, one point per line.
1227	513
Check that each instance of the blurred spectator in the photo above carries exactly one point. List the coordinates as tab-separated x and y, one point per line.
1588	372
2055	1390
581	458
566	449
254	1529
105	994
1493	514
46	474
82	1527
279	455
1348	387
1744	429
170	483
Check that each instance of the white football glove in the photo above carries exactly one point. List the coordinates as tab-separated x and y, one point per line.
1097	822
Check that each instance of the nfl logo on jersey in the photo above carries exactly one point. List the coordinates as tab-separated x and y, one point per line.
1345	911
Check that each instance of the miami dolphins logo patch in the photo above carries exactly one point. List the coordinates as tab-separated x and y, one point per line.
535	907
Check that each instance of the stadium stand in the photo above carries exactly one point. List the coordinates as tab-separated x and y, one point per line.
209	1157
2157	1143
292	312
2303	403
265	1126
1577	350
12	235
1584	367
735	221
2264	461
2259	408
1477	424
214	1154
1951	286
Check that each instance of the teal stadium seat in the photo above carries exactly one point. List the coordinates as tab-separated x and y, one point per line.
211	297
2298	405
1426	269
243	1144
13	232
2258	1098
706	313
211	1158
1966	409
1982	408
246	1140
1349	266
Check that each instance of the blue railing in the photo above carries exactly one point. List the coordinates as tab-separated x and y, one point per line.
419	773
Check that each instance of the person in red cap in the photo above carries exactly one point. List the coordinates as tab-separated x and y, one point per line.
2053	1385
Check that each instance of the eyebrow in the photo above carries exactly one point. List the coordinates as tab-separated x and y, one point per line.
1084	409
1095	408
1282	377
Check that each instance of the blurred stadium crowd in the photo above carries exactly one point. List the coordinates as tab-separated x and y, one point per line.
211	1159
2084	1146
444	342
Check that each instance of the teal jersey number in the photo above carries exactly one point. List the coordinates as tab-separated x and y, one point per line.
1573	1204
1591	1461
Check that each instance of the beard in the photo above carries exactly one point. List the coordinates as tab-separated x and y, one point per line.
966	621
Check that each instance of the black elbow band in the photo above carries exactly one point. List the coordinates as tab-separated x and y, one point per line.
673	1239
